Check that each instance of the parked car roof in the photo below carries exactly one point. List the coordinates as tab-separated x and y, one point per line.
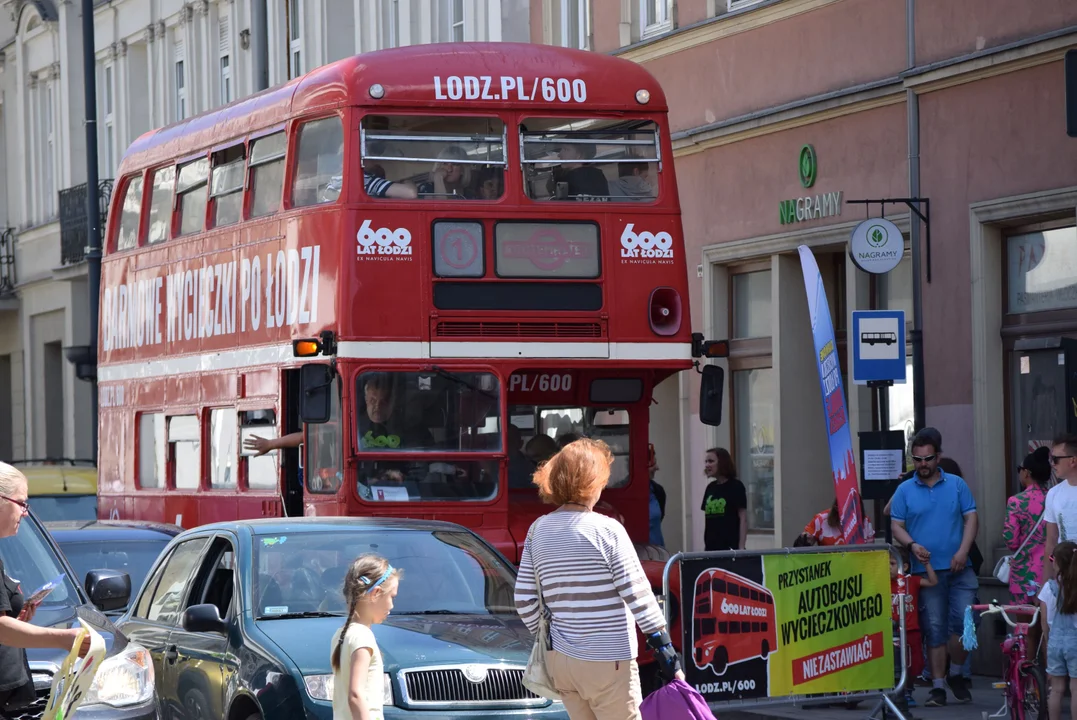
276	526
111	529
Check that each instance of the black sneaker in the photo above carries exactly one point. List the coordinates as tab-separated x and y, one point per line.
959	686
936	698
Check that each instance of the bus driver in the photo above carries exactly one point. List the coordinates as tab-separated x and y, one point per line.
376	431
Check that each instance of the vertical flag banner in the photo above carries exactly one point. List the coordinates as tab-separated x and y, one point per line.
842	463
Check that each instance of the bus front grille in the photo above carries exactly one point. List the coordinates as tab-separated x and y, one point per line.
460	328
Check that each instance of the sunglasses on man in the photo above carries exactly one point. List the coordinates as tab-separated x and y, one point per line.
1056	459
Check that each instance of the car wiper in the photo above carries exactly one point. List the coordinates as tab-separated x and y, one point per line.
435	612
305	614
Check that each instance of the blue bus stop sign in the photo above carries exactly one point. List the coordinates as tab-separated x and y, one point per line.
878	346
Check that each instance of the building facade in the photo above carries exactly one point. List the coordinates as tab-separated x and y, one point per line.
959	102
157	62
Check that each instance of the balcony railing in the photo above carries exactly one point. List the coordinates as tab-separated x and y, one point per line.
73	232
7	262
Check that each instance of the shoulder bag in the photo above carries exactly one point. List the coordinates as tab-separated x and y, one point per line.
536	676
1002	568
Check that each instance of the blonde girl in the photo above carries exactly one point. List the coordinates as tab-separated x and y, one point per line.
369	588
1061	597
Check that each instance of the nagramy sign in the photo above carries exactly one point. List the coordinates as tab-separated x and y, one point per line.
809	207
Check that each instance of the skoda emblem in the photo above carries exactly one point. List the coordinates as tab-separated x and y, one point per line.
475	673
808	166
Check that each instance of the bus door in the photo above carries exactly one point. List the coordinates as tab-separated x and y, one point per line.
291	460
322	472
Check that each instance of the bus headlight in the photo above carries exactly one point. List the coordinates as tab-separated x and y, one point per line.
124	679
377	91
643	96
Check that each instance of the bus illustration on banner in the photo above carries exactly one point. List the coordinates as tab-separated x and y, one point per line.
733	620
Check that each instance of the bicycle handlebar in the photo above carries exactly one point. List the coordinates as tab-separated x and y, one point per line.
992	608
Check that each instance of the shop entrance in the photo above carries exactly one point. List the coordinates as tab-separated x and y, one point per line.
1043	395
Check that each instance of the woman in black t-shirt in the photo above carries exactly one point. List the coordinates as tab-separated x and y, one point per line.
16	632
725	504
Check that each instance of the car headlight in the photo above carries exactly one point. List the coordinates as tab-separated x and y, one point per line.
123	679
320	687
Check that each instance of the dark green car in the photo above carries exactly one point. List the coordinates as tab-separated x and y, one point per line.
239	618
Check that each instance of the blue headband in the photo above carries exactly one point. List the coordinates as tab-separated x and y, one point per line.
382	579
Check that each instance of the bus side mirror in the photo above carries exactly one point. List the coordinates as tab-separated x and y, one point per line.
712	383
315	384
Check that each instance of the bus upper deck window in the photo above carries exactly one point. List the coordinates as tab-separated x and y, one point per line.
434	158
227	186
160	220
127	235
597	160
191	191
319	170
267	173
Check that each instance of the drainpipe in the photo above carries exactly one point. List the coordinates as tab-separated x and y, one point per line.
912	103
260	44
93	205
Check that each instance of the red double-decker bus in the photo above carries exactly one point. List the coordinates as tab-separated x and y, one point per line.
733	620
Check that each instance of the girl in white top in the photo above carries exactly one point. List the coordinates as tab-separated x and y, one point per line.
369	588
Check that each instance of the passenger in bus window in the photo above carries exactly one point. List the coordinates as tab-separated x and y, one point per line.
581	179
633	181
452	179
540	448
377	429
491	183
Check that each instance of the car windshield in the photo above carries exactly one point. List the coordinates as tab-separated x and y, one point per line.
444	571
30	560
50	508
134	557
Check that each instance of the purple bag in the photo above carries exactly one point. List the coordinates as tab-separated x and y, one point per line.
676	701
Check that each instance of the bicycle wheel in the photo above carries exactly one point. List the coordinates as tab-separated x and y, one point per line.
1029	701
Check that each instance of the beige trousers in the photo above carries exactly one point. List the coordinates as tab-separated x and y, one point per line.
596	690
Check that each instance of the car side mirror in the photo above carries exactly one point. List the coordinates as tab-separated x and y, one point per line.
712	384
203	619
108	589
315	386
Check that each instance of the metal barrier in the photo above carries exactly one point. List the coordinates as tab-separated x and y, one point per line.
882	695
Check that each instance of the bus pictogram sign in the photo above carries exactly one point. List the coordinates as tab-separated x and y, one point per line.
459	248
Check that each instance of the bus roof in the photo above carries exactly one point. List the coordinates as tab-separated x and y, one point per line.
460	76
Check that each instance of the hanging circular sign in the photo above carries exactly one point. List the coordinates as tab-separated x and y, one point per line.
877	246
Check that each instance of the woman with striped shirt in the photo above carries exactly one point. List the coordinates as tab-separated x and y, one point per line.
591	580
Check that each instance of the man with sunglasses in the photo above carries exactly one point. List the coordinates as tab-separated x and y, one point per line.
1060	507
933	514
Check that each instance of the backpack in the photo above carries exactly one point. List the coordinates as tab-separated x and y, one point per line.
676	700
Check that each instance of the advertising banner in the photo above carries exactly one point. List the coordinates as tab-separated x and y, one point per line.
775	625
842	461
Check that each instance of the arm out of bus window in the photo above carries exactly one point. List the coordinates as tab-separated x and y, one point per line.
263	445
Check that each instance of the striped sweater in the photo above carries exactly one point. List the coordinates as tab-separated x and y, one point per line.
592	583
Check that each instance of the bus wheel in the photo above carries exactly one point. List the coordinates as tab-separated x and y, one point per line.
721	660
765	650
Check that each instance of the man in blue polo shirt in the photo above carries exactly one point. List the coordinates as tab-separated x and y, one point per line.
934	515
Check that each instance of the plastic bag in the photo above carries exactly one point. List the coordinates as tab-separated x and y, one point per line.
73	681
676	700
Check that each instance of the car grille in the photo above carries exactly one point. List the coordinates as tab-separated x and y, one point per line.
451	687
34	711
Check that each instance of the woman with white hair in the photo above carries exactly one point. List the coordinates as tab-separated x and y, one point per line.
16	632
451	177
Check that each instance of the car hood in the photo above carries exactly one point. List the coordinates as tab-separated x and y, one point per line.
66	616
408	641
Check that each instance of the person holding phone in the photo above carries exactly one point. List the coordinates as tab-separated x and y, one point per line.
16	632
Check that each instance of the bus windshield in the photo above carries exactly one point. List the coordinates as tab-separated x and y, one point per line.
591	160
438	411
542	431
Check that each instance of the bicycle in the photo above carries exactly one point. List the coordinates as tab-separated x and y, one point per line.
1024	685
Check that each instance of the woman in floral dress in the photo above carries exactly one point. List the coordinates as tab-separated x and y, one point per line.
1023	512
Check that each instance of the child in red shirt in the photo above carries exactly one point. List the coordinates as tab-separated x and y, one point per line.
909	585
